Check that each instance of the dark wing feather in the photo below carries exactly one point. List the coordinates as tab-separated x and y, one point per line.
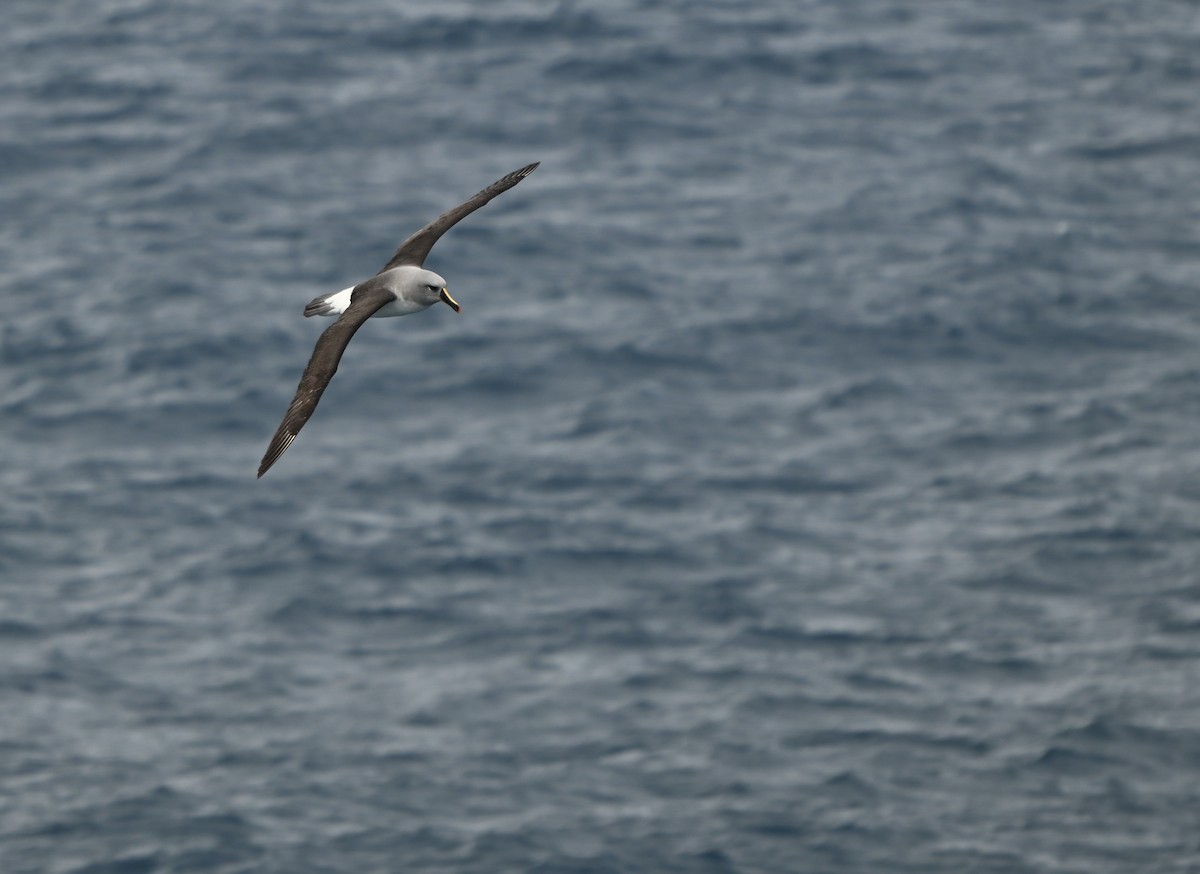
364	303
416	248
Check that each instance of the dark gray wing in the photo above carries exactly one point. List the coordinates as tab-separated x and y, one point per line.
416	248
364	303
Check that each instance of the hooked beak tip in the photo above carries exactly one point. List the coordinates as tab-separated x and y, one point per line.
450	302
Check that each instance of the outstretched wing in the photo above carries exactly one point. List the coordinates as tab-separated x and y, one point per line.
416	248
323	364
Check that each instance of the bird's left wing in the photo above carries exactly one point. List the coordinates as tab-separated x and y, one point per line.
364	303
416	248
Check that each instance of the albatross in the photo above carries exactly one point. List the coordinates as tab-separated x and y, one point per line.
401	288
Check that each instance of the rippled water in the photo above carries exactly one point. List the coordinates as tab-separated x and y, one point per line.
809	484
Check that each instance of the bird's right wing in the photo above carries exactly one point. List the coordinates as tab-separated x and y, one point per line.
364	303
416	248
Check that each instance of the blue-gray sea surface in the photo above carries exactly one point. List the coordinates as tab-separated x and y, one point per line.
811	482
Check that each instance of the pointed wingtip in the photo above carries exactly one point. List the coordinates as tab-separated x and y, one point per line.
517	175
278	446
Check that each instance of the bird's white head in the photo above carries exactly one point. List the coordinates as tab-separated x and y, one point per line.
426	288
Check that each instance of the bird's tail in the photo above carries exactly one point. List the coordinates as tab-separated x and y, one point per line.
332	304
318	307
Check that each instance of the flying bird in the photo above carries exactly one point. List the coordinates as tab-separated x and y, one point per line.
402	287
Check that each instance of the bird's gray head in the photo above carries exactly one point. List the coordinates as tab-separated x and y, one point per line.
426	287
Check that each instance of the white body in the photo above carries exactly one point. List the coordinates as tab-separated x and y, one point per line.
415	288
339	300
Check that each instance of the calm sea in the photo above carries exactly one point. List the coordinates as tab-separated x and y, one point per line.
811	482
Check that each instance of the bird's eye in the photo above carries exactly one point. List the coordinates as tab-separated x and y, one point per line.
435	288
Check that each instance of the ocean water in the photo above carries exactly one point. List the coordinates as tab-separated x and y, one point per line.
811	482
